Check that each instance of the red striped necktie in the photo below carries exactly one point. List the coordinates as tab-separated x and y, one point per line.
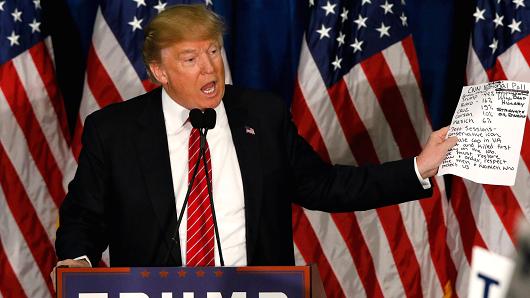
200	228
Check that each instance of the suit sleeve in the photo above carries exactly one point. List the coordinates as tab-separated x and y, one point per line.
82	228
341	188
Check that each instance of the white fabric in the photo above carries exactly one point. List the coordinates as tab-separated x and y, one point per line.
425	183
227	183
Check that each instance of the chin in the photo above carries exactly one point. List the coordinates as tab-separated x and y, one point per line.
211	103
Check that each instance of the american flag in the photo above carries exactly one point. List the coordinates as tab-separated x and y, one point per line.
35	157
487	215
358	100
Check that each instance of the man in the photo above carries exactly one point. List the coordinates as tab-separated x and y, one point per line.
134	168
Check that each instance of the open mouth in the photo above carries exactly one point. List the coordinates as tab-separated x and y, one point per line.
209	88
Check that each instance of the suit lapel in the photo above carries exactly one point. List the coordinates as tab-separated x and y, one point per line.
153	156
245	134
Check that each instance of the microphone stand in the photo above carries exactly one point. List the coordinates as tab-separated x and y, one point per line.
209	186
181	215
202	154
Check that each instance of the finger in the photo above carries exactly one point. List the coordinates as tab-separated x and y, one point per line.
451	142
442	132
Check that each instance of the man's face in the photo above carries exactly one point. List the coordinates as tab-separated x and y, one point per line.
192	72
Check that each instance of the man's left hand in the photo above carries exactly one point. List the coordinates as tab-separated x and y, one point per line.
433	154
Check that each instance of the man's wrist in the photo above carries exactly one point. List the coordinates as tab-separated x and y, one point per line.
425	183
84	258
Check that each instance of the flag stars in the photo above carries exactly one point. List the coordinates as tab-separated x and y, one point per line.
518	3
336	63
340	39
479	15
361	22
208	2
136	24
366	1
139	3
344	14
34	26
356	45
498	20
383	30
494	45
311	3
403	18
2	5
37	4
514	26
387	7
13	39
323	31
160	6
329	8
17	15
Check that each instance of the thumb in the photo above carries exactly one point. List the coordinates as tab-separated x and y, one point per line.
450	142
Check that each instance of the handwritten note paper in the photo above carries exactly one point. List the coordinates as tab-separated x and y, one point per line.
489	123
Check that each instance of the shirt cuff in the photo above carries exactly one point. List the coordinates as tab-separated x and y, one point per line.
425	183
88	260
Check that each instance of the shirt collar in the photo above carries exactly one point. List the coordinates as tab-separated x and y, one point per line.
175	115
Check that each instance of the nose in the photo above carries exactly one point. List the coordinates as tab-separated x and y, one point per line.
206	64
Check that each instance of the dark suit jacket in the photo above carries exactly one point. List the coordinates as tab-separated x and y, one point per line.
122	194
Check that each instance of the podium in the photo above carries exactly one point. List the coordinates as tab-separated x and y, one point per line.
190	282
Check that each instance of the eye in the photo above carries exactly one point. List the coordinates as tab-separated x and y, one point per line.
213	50
189	60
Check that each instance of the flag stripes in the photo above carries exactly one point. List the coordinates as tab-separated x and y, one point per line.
378	109
46	102
16	148
335	250
35	161
19	104
110	53
9	284
350	230
44	67
100	82
437	234
26	222
306	243
315	96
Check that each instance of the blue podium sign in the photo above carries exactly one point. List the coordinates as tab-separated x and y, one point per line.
185	282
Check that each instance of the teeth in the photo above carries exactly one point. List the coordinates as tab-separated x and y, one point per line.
209	90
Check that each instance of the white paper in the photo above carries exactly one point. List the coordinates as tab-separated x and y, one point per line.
489	123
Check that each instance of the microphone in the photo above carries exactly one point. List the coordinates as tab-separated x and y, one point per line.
203	121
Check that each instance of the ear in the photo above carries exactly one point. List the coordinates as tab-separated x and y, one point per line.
158	71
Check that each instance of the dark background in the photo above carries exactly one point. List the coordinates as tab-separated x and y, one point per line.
263	43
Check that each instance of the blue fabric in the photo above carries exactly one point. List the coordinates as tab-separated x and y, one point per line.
264	37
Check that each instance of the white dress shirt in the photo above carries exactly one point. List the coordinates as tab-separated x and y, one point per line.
227	184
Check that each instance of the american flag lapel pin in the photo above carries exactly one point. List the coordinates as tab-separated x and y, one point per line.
249	130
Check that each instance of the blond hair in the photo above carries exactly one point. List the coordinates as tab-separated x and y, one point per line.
179	23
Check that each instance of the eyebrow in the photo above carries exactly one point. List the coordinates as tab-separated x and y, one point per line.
193	51
187	51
